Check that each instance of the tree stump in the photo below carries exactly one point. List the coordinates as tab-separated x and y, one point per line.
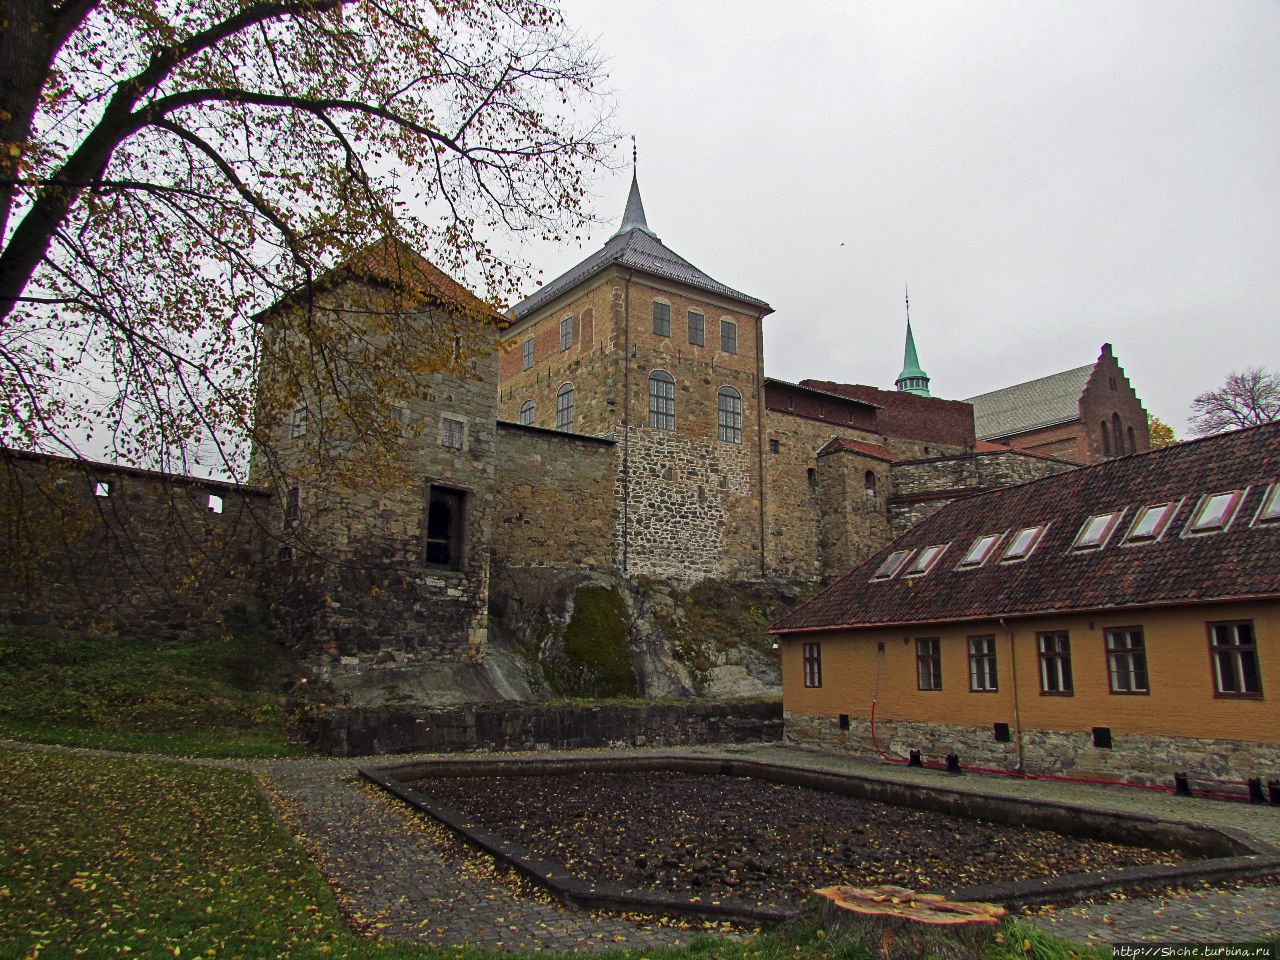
895	923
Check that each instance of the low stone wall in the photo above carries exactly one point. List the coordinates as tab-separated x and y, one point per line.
1130	758
524	726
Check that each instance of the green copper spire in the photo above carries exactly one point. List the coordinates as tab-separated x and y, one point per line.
912	379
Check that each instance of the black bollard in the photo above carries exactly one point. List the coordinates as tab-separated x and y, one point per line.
1255	791
953	763
914	759
1181	786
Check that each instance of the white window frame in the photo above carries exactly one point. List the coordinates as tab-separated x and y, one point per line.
984	675
1111	520
892	565
1231	500
1269	509
1171	508
1037	536
972	558
926	560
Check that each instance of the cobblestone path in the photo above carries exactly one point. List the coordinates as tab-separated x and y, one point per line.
407	878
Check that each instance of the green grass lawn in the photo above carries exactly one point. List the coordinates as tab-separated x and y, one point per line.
217	697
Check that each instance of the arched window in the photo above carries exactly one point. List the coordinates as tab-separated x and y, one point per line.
729	415
1133	447
1117	434
526	413
662	400
564	408
1106	442
871	484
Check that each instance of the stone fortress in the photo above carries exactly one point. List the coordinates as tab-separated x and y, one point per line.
610	442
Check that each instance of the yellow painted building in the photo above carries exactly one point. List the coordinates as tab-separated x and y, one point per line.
1119	620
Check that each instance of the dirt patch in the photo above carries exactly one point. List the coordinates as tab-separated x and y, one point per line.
726	837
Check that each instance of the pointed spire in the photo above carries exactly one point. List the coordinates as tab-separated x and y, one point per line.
912	379
633	216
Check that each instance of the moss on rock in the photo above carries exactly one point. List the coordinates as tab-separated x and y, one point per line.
597	644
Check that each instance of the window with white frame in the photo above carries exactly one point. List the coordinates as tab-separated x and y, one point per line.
1055	663
929	663
661	318
813	664
728	336
1215	512
1233	649
1126	660
526	354
451	433
697	323
662	400
892	564
1097	530
982	664
526	413
1269	512
979	551
564	408
729	415
1022	544
298	422
1151	522
566	333
925	559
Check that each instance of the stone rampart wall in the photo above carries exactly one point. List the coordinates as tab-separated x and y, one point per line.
555	495
523	726
93	546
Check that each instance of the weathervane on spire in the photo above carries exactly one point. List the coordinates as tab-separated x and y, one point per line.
634	161
907	291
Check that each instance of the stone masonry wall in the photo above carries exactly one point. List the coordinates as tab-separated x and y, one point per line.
922	487
555	499
349	581
854	523
157	555
1141	759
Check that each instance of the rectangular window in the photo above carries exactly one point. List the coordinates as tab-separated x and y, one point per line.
291	502
1215	512
526	354
728	336
1127	660
1022	544
925	559
813	664
662	401
929	663
982	664
1269	512
102	488
1096	531
1151	522
729	415
696	324
1234	652
979	551
662	319
566	333
451	433
892	564
1055	663
444	528
773	446
298	425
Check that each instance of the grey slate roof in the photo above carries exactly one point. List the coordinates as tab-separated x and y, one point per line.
634	247
1028	406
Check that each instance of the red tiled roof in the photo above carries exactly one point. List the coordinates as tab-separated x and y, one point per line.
875	450
1242	562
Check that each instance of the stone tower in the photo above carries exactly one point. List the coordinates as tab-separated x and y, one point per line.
638	344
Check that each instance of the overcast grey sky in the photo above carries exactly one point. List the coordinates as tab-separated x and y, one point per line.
1046	176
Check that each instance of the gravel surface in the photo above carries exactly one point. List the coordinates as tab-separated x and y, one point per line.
746	839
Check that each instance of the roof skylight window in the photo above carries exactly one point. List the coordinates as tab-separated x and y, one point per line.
1270	510
892	564
979	552
1215	512
1151	523
1097	531
925	559
1023	543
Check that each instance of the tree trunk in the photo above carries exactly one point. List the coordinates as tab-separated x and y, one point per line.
895	923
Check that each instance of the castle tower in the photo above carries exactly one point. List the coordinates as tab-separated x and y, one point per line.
912	379
637	344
